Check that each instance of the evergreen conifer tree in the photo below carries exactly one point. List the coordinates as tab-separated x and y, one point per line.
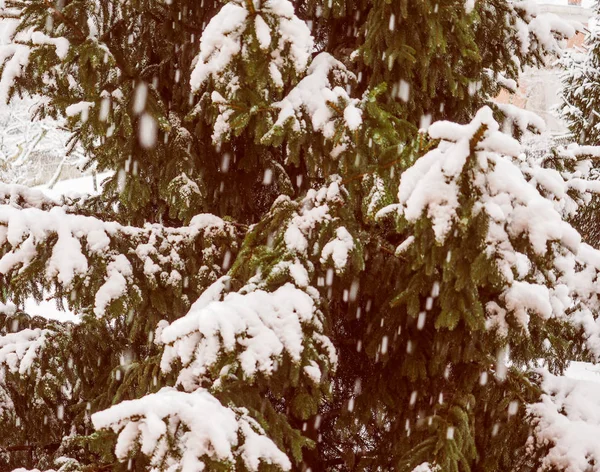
581	78
578	107
283	273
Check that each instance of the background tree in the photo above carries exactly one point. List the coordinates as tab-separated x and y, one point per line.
252	294
578	107
34	152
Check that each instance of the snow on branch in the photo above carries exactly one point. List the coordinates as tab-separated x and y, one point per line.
506	196
23	469
61	44
538	32
473	172
14	58
431	185
506	83
338	249
179	430
18	350
311	216
30	47
20	196
274	318
274	23
521	119
532	39
16	48
566	176
315	100
579	91
73	247
567	421
247	331
426	467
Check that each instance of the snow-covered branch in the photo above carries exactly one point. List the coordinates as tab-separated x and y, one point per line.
478	157
185	430
70	251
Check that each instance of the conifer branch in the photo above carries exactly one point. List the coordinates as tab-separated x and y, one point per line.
106	467
421	150
384	246
239	225
66	20
250	5
477	137
385	166
106	35
236	107
161	20
29	447
381	167
334	107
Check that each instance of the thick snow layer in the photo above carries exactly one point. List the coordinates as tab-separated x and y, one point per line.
61	44
572	186
426	467
567	421
431	184
537	30
24	197
23	469
179	430
78	238
48	309
263	33
15	58
258	326
469	5
583	371
73	187
18	350
523	120
314	211
223	39
220	42
312	98
24	228
338	249
118	277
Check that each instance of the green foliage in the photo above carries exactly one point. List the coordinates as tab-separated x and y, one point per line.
280	168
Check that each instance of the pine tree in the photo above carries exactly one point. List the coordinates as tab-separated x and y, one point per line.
253	294
578	107
579	92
